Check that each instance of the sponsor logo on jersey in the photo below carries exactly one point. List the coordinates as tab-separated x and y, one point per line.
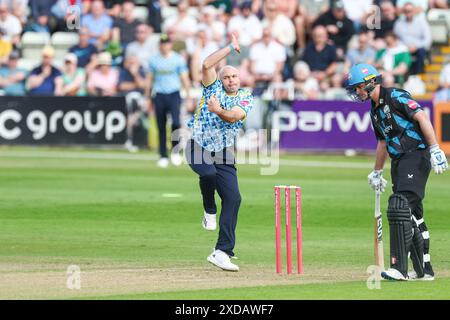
413	105
244	103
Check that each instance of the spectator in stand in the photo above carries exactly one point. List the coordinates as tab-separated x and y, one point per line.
393	61
183	24
132	80
340	28
64	18
104	79
358	11
40	25
246	24
74	78
10	24
145	45
12	78
308	11
321	56
132	77
86	53
45	80
98	23
40	7
113	7
124	28
5	47
443	94
312	9
215	29
420	6
305	86
86	7
288	7
387	21
204	46
363	53
414	31
245	75
18	8
267	58
282	28
258	8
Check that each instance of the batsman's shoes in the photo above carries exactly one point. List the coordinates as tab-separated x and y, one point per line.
209	221
412	275
222	260
393	274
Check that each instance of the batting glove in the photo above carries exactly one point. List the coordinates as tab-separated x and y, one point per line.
438	159
376	180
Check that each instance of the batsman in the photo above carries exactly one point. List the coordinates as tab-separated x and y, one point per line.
405	134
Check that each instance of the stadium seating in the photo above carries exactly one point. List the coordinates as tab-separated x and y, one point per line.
62	41
140	13
440	25
32	44
439	14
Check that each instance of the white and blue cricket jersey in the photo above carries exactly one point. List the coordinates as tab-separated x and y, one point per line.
166	72
208	130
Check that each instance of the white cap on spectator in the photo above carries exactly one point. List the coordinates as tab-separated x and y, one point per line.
209	10
71	57
301	66
105	58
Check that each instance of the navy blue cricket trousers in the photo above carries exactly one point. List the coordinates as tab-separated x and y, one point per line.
165	104
217	172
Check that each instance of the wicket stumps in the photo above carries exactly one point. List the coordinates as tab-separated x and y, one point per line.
298	197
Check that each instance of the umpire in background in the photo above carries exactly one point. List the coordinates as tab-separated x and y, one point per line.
168	71
405	133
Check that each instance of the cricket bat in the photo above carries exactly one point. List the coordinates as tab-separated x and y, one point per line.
379	251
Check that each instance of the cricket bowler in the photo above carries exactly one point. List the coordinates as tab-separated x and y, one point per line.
218	118
405	133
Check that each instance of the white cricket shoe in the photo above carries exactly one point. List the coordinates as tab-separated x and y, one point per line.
130	147
209	221
222	260
176	159
412	275
393	274
163	163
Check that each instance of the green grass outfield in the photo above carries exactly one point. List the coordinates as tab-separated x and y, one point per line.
134	230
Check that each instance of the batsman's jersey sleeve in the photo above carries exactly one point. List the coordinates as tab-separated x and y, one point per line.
393	120
208	130
405	104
